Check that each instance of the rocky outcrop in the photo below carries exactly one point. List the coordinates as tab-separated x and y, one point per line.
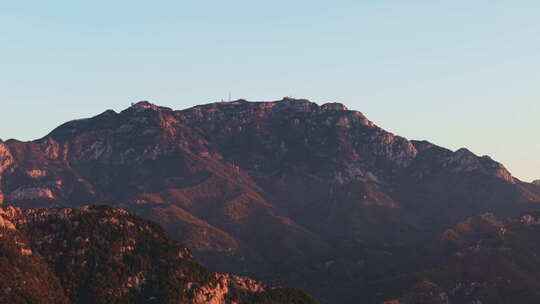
30	193
465	161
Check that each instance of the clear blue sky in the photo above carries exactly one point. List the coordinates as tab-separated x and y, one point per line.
457	73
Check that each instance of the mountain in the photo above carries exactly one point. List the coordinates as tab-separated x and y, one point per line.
104	255
291	192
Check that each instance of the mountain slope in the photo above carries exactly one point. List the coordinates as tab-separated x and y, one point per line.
486	260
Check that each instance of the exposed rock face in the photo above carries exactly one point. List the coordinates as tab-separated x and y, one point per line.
30	193
536	182
103	255
465	161
314	196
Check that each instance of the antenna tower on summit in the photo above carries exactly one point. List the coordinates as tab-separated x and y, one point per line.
229	96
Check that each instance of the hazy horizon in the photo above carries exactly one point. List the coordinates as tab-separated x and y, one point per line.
457	74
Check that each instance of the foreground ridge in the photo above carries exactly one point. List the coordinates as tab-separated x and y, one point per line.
97	254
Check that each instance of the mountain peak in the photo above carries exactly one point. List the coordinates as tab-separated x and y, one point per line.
300	105
292	99
146	105
334	106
